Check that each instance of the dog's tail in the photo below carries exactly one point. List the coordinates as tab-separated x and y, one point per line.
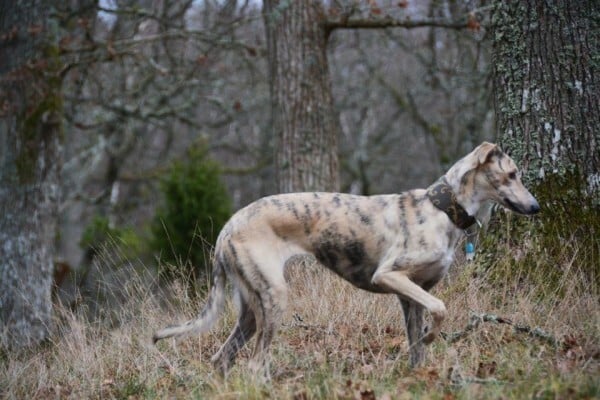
208	316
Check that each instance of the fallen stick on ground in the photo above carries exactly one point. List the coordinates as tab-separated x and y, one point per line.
476	319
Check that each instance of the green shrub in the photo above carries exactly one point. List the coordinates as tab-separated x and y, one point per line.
195	208
98	233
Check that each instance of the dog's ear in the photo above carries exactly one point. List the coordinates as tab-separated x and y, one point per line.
485	151
479	156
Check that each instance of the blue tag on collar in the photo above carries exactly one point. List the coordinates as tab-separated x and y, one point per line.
470	251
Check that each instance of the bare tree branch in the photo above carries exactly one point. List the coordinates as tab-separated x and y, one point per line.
390	22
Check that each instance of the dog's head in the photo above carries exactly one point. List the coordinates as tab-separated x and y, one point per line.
487	172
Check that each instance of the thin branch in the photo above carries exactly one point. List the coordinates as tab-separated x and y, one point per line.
390	22
252	169
476	319
198	35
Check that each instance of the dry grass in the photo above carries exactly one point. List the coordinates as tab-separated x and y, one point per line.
336	342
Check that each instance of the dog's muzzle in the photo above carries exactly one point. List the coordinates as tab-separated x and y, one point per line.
532	207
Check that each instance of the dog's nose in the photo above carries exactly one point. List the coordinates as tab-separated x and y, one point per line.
534	208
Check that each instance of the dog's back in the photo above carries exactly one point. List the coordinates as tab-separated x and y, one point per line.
348	234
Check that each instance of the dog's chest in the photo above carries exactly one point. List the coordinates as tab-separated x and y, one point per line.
428	275
427	253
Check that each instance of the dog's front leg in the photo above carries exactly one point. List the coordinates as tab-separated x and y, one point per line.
413	319
397	282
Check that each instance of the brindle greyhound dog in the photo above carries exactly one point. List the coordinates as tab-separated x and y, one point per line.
398	243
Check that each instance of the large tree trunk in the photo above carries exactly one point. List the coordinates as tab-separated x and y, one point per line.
304	122
30	148
546	57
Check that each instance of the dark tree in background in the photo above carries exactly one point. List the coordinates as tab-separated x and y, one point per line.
305	125
30	154
546	58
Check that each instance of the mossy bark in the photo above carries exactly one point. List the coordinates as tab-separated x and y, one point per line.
30	154
304	121
545	64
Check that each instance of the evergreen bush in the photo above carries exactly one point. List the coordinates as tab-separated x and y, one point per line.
195	207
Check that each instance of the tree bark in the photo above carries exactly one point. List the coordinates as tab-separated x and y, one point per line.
546	57
304	121
30	154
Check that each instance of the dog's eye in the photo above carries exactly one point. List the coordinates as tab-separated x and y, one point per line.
512	176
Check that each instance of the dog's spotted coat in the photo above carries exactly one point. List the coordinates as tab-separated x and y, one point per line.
398	243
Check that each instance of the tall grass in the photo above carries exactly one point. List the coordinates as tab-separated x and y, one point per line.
336	341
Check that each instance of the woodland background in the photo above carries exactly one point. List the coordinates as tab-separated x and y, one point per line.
103	101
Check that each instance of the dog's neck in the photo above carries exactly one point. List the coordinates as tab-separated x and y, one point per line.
444	196
458	177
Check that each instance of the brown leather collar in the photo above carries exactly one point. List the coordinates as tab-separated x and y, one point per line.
442	196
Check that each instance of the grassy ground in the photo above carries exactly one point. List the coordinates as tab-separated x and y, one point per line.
336	342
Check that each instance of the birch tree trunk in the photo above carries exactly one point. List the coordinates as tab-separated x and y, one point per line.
546	57
304	121
30	150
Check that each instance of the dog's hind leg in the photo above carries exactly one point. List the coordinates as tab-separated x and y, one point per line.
413	319
272	307
270	300
243	331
